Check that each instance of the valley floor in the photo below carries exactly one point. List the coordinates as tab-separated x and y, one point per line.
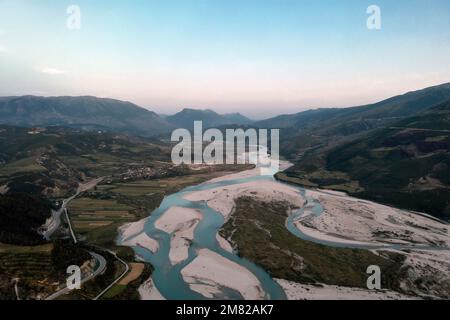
411	249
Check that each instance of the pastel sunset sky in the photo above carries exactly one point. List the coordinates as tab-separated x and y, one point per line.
257	57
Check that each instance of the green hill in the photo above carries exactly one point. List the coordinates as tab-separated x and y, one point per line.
51	161
326	128
391	109
406	164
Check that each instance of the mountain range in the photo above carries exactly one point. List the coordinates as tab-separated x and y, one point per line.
396	151
91	113
350	120
81	112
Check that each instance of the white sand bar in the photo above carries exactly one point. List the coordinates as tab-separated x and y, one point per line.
351	219
224	244
426	265
181	223
175	218
297	291
210	271
246	173
130	230
316	234
144	241
222	199
236	176
133	234
148	291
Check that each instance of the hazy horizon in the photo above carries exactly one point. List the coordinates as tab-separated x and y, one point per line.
301	109
257	58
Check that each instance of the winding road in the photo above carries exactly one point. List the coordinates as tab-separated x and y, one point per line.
100	269
127	268
16	287
54	221
72	233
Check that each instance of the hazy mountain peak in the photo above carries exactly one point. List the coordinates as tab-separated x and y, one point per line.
210	118
83	112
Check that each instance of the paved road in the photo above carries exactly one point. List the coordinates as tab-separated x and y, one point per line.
16	287
100	269
127	268
75	241
55	221
54	224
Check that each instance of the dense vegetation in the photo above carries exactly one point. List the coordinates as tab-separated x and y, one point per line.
20	217
6	288
65	254
285	256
